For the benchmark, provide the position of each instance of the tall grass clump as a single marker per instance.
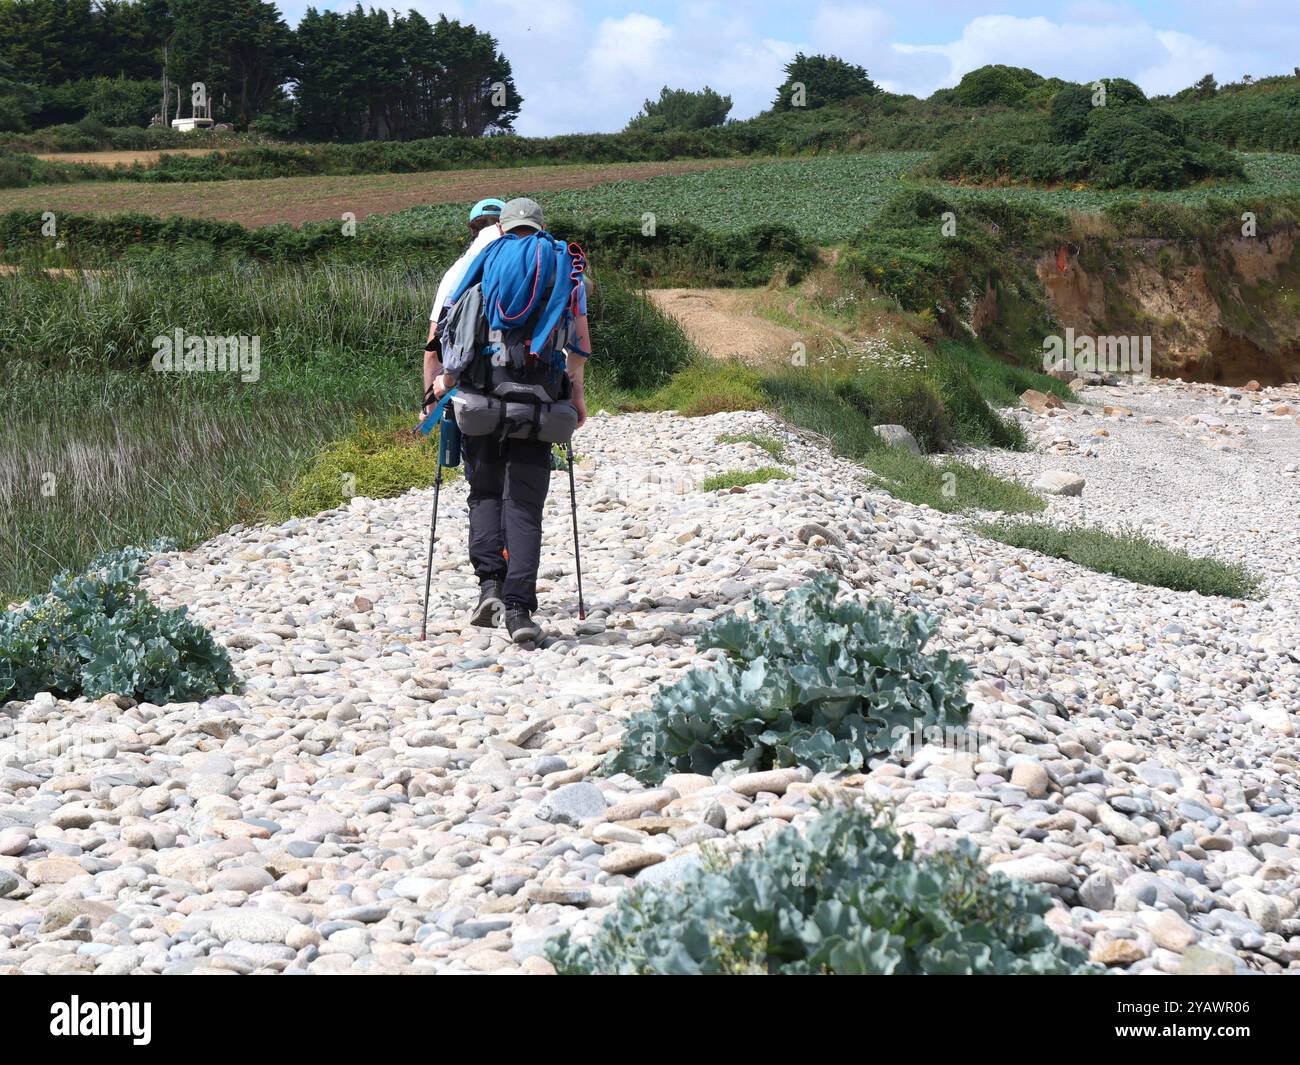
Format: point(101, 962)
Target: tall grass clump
point(710, 386)
point(332, 318)
point(999, 382)
point(376, 460)
point(815, 404)
point(1130, 555)
point(98, 449)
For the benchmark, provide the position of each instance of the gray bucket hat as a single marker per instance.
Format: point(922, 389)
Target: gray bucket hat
point(522, 212)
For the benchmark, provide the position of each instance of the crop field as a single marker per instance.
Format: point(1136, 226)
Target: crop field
point(1268, 173)
point(143, 157)
point(827, 198)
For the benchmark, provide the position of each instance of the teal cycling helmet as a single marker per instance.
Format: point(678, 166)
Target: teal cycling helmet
point(489, 206)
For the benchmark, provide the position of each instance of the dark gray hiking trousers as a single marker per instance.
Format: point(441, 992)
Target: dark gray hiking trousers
point(508, 482)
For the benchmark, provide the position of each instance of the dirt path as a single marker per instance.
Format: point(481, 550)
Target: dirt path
point(722, 322)
point(309, 199)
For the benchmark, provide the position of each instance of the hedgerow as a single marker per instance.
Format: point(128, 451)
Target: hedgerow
point(676, 252)
point(1126, 142)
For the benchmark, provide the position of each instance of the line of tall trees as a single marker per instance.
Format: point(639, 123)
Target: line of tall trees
point(358, 75)
point(364, 75)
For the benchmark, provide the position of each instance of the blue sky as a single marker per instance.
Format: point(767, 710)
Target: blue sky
point(587, 66)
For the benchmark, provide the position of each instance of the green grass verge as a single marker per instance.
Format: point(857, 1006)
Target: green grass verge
point(741, 478)
point(1130, 555)
point(770, 444)
point(948, 486)
point(940, 407)
point(710, 386)
point(375, 460)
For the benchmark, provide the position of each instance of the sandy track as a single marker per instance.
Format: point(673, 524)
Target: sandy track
point(721, 322)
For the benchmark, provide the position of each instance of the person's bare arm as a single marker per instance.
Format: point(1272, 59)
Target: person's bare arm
point(576, 367)
point(432, 363)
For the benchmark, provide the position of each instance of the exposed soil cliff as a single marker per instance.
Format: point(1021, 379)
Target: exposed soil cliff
point(1225, 312)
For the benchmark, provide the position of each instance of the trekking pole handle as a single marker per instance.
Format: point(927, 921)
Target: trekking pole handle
point(431, 419)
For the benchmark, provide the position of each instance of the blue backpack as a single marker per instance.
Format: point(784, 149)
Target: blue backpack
point(512, 320)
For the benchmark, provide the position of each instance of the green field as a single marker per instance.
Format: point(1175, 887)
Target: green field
point(1269, 174)
point(826, 198)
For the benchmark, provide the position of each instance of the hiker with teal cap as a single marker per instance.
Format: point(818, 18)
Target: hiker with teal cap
point(483, 227)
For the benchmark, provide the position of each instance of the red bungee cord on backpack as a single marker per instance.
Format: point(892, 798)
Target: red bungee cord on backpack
point(575, 275)
point(578, 257)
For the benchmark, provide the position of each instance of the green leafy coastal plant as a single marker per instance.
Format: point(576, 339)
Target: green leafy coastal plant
point(808, 681)
point(848, 898)
point(96, 633)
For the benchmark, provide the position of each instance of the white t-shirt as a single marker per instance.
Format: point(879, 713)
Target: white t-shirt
point(452, 278)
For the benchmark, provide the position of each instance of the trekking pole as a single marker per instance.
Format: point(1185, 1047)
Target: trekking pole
point(433, 532)
point(577, 558)
point(448, 454)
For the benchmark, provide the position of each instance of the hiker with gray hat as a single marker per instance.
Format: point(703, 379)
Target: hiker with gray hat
point(515, 343)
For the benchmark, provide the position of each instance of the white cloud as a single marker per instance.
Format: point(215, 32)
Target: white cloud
point(633, 47)
point(1075, 51)
point(1187, 61)
point(1111, 43)
point(631, 58)
point(844, 29)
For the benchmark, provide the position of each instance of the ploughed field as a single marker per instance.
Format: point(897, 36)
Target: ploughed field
point(295, 200)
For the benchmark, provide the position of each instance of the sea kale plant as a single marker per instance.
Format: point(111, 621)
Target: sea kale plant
point(97, 633)
point(849, 897)
point(812, 680)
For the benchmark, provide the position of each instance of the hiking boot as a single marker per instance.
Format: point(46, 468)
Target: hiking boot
point(490, 607)
point(521, 626)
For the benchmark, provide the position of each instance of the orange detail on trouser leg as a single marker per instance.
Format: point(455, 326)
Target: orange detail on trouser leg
point(505, 554)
